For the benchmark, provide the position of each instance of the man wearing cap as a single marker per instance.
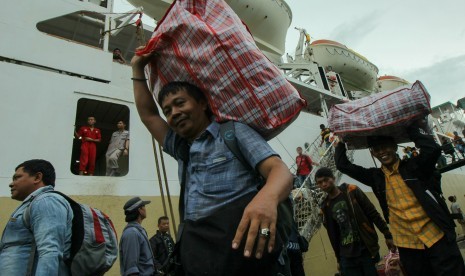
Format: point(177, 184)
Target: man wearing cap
point(409, 194)
point(135, 254)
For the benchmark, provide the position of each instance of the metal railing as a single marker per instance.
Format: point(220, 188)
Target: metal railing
point(308, 197)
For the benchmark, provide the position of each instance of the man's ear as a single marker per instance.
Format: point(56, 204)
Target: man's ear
point(38, 178)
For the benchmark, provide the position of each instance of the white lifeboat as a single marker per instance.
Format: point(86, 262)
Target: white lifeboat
point(357, 73)
point(386, 83)
point(268, 21)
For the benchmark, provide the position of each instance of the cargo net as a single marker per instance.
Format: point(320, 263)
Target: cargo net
point(308, 198)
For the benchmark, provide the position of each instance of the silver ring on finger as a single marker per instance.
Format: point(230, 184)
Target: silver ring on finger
point(265, 232)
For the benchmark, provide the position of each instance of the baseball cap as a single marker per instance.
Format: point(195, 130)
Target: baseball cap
point(134, 204)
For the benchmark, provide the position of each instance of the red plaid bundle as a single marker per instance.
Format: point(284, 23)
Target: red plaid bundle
point(386, 113)
point(205, 43)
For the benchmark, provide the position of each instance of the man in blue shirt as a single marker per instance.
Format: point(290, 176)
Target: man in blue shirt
point(50, 224)
point(215, 178)
point(135, 253)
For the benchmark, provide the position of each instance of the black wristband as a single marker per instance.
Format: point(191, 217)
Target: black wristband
point(138, 79)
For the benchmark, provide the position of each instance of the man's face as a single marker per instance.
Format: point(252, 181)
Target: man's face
point(23, 184)
point(385, 153)
point(326, 183)
point(185, 115)
point(143, 212)
point(120, 125)
point(91, 121)
point(164, 225)
point(299, 150)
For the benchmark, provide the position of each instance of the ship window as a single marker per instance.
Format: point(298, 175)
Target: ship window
point(83, 27)
point(109, 158)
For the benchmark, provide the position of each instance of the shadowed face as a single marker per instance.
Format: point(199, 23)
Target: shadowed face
point(385, 153)
point(120, 125)
point(185, 115)
point(326, 183)
point(91, 121)
point(23, 184)
point(142, 212)
point(164, 226)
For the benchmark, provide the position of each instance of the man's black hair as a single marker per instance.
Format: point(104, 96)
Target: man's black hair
point(192, 90)
point(451, 198)
point(131, 215)
point(35, 166)
point(324, 172)
point(162, 218)
point(322, 126)
point(373, 141)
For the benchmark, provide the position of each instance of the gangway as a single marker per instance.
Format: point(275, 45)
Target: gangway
point(308, 198)
point(452, 158)
point(307, 79)
point(452, 166)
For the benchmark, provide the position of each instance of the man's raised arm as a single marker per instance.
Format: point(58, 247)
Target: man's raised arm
point(148, 110)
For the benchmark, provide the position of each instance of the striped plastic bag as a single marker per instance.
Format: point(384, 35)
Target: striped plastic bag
point(205, 43)
point(385, 113)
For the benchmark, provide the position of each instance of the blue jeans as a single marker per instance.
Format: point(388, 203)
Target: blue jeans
point(301, 180)
point(364, 265)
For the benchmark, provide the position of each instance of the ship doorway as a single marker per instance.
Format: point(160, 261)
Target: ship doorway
point(107, 115)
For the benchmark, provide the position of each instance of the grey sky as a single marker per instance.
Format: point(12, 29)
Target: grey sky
point(413, 39)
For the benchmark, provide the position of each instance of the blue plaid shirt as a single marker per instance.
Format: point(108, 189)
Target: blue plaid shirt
point(215, 177)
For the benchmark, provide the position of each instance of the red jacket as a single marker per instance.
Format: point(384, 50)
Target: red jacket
point(304, 164)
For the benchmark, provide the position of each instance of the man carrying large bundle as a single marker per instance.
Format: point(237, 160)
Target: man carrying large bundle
point(216, 182)
point(409, 194)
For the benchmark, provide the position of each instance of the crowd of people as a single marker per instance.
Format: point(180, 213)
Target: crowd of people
point(46, 233)
point(234, 202)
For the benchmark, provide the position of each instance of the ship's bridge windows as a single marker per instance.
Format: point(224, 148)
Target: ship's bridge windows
point(86, 28)
point(110, 155)
point(83, 27)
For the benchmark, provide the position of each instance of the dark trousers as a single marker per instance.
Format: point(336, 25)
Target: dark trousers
point(443, 258)
point(296, 262)
point(364, 265)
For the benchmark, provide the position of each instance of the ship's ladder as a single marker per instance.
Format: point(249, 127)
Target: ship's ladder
point(308, 198)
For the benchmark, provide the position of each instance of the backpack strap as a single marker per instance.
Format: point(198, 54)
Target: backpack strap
point(228, 132)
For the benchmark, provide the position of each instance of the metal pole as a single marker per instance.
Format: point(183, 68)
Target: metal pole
point(175, 229)
point(158, 175)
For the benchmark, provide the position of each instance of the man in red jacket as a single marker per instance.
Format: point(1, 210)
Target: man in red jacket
point(304, 166)
point(89, 136)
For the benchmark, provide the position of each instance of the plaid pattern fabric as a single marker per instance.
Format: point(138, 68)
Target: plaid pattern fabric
point(410, 225)
point(384, 113)
point(205, 43)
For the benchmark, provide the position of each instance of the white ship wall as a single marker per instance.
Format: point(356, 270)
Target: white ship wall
point(37, 117)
